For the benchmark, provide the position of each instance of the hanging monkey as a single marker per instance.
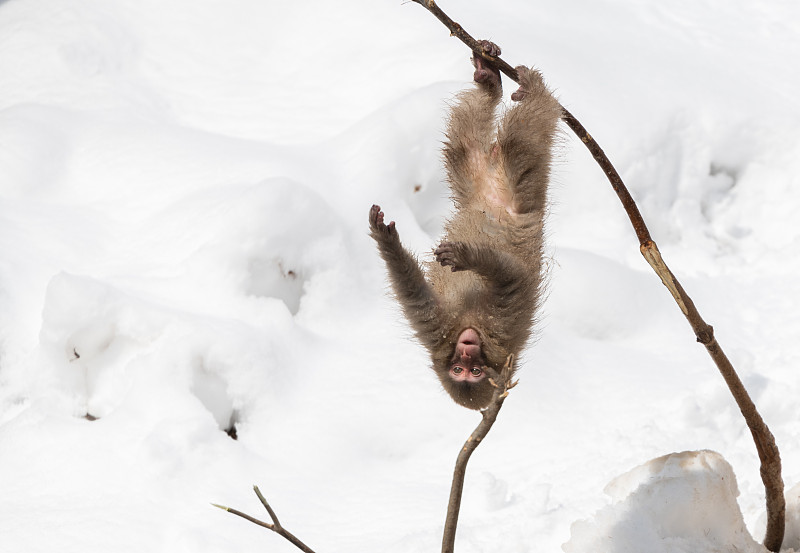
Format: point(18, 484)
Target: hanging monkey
point(475, 303)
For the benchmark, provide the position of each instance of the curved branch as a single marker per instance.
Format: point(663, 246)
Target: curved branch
point(768, 453)
point(502, 384)
point(275, 526)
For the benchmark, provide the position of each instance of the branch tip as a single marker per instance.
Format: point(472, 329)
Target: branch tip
point(276, 527)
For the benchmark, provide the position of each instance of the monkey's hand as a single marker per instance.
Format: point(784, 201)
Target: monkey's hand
point(499, 269)
point(486, 74)
point(530, 81)
point(450, 254)
point(381, 231)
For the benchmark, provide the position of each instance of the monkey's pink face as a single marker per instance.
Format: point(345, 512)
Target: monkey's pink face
point(467, 362)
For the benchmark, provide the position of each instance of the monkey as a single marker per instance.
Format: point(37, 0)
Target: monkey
point(475, 304)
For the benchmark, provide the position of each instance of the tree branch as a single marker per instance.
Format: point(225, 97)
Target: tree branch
point(765, 442)
point(275, 526)
point(502, 384)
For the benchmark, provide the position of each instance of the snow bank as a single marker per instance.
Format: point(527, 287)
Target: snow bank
point(681, 502)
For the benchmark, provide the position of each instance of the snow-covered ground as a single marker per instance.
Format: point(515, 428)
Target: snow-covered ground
point(183, 248)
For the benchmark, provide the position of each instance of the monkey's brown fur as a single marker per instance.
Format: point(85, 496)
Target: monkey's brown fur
point(487, 273)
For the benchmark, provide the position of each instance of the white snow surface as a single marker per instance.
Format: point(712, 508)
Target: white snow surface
point(183, 248)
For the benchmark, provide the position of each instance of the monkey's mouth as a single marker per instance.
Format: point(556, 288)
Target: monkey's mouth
point(469, 337)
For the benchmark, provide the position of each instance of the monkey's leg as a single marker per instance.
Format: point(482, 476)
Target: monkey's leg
point(416, 296)
point(526, 139)
point(471, 128)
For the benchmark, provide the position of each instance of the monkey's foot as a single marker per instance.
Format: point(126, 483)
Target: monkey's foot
point(530, 80)
point(378, 227)
point(485, 72)
point(448, 256)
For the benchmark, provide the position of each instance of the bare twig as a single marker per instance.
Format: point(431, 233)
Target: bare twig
point(765, 442)
point(502, 384)
point(275, 526)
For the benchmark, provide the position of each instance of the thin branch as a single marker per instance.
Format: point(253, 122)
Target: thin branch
point(263, 501)
point(765, 442)
point(502, 384)
point(275, 526)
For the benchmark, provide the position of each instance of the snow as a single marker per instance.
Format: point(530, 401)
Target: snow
point(679, 502)
point(183, 248)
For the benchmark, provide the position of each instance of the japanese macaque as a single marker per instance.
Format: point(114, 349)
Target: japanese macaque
point(477, 304)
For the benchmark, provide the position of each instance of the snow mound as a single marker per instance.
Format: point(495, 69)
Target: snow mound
point(681, 502)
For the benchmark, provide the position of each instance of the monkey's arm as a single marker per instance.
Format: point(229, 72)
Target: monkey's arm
point(420, 304)
point(505, 275)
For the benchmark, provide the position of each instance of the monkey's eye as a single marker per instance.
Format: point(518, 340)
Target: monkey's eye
point(458, 370)
point(476, 371)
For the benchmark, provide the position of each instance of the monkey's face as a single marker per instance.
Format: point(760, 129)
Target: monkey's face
point(466, 378)
point(461, 369)
point(468, 361)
